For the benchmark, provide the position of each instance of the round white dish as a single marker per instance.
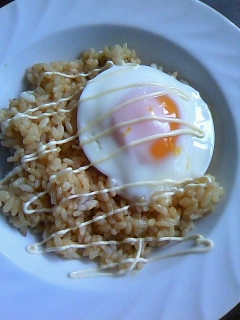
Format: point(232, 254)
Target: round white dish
point(183, 35)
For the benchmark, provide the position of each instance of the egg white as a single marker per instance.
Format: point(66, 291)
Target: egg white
point(105, 93)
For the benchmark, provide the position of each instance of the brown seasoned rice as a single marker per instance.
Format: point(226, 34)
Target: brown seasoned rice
point(166, 217)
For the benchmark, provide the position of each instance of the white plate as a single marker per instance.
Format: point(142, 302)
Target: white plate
point(204, 47)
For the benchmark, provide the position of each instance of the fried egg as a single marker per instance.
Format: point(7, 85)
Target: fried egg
point(145, 130)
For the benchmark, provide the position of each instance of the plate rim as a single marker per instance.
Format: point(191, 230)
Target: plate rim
point(186, 5)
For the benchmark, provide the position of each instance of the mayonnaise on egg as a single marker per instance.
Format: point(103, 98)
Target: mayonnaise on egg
point(145, 130)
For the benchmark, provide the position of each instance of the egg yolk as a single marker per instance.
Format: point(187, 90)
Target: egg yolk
point(162, 147)
point(154, 150)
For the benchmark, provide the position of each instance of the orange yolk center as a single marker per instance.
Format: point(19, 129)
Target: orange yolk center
point(163, 147)
point(154, 150)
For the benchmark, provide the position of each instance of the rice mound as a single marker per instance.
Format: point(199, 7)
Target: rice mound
point(84, 219)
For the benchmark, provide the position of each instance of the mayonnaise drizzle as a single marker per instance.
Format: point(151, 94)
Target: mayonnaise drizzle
point(202, 244)
point(26, 96)
point(11, 174)
point(135, 143)
point(25, 114)
point(172, 90)
point(108, 65)
point(122, 105)
point(182, 186)
point(194, 130)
